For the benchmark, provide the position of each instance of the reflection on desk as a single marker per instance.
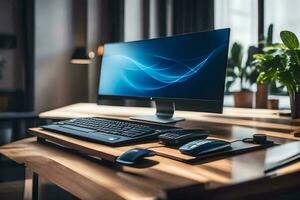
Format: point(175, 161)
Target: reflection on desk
point(235, 177)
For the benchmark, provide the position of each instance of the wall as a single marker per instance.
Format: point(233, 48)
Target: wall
point(133, 27)
point(105, 25)
point(10, 23)
point(57, 81)
point(95, 38)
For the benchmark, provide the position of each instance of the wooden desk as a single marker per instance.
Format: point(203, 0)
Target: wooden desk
point(237, 177)
point(234, 123)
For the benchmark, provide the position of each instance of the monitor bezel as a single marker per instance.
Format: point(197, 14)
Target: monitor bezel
point(208, 105)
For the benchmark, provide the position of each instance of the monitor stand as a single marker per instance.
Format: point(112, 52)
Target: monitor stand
point(164, 114)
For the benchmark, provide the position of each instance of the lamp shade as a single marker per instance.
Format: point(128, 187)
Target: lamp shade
point(8, 41)
point(80, 56)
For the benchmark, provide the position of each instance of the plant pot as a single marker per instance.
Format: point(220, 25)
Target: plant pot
point(261, 99)
point(295, 104)
point(243, 99)
point(273, 104)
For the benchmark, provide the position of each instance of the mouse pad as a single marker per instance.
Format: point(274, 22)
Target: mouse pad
point(236, 148)
point(111, 153)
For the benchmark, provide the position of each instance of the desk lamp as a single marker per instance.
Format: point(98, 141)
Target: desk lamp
point(80, 56)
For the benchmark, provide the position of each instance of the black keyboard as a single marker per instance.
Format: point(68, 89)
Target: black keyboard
point(108, 131)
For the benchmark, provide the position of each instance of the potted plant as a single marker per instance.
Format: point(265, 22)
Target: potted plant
point(243, 75)
point(262, 89)
point(281, 63)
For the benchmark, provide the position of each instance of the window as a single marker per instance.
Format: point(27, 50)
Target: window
point(241, 17)
point(284, 15)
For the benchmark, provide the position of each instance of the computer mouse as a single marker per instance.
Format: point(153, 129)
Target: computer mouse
point(200, 147)
point(178, 137)
point(134, 156)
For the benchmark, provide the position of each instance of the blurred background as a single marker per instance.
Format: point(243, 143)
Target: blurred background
point(39, 37)
point(50, 54)
point(36, 72)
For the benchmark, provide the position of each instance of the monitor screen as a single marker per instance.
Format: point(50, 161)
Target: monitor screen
point(190, 66)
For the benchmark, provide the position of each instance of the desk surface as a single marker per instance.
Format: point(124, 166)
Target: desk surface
point(234, 177)
point(234, 123)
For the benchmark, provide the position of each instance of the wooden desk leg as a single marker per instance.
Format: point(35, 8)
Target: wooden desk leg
point(31, 186)
point(40, 140)
point(35, 186)
point(27, 185)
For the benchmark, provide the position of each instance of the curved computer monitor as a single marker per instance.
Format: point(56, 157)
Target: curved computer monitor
point(182, 72)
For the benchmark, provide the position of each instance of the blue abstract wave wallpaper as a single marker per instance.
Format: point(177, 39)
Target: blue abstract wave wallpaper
point(189, 66)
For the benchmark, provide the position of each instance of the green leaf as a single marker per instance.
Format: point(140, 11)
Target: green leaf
point(286, 78)
point(274, 47)
point(289, 39)
point(269, 39)
point(262, 56)
point(230, 73)
point(253, 76)
point(297, 76)
point(261, 78)
point(228, 84)
point(236, 55)
point(294, 56)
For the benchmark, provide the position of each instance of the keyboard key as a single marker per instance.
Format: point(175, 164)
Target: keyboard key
point(111, 127)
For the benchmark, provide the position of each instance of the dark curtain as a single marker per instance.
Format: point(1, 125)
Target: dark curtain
point(187, 16)
point(105, 25)
point(112, 20)
point(192, 15)
point(79, 12)
point(162, 21)
point(28, 48)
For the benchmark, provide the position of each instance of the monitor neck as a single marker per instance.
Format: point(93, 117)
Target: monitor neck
point(164, 109)
point(164, 113)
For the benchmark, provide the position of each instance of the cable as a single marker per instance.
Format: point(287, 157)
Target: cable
point(236, 141)
point(155, 147)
